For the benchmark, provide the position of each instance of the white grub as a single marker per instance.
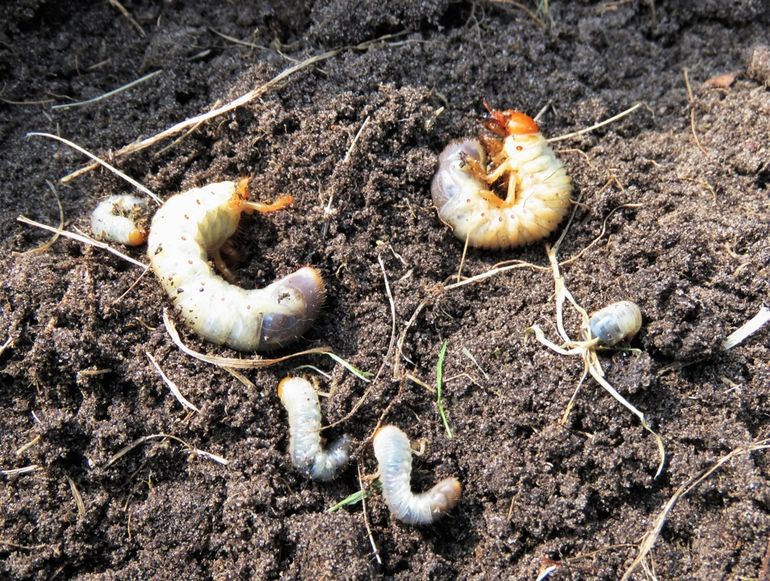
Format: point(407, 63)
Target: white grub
point(537, 186)
point(189, 229)
point(615, 322)
point(394, 455)
point(121, 219)
point(301, 402)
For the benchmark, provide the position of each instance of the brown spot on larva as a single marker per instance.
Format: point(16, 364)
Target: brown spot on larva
point(198, 201)
point(519, 148)
point(179, 291)
point(499, 218)
point(158, 250)
point(189, 261)
point(186, 217)
point(184, 238)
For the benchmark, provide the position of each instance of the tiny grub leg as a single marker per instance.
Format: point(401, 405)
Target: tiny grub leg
point(475, 168)
point(279, 204)
point(220, 265)
point(500, 171)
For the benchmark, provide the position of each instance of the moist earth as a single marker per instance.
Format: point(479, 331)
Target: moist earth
point(672, 211)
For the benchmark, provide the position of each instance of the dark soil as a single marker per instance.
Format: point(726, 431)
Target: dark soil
point(693, 252)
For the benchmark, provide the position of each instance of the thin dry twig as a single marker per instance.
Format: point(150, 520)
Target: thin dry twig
point(596, 240)
point(82, 238)
point(78, 498)
point(19, 471)
point(130, 287)
point(184, 135)
point(231, 362)
point(691, 102)
point(470, 356)
point(24, 447)
point(595, 126)
point(27, 103)
point(128, 16)
point(103, 96)
point(126, 449)
point(171, 385)
point(22, 547)
point(328, 208)
point(237, 40)
point(5, 345)
point(524, 8)
point(494, 271)
point(462, 258)
point(397, 371)
point(99, 161)
point(240, 377)
point(46, 245)
point(366, 518)
point(238, 102)
point(649, 539)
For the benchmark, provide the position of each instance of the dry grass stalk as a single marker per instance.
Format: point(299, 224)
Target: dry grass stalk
point(649, 539)
point(126, 449)
point(172, 386)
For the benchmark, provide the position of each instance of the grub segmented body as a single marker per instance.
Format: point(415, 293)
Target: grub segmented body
point(185, 233)
point(305, 447)
point(615, 322)
point(534, 184)
point(394, 455)
point(121, 219)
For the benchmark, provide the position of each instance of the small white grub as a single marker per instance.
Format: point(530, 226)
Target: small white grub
point(615, 322)
point(394, 455)
point(301, 402)
point(119, 219)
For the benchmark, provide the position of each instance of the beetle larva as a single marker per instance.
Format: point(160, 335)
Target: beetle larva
point(615, 322)
point(537, 187)
point(301, 402)
point(191, 227)
point(394, 455)
point(120, 219)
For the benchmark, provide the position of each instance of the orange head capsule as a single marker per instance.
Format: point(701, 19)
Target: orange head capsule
point(518, 123)
point(509, 122)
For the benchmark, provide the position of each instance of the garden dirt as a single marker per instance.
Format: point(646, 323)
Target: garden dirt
point(676, 195)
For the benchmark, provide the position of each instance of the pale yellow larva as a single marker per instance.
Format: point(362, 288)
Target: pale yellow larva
point(189, 229)
point(394, 455)
point(537, 189)
point(301, 402)
point(615, 322)
point(121, 219)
